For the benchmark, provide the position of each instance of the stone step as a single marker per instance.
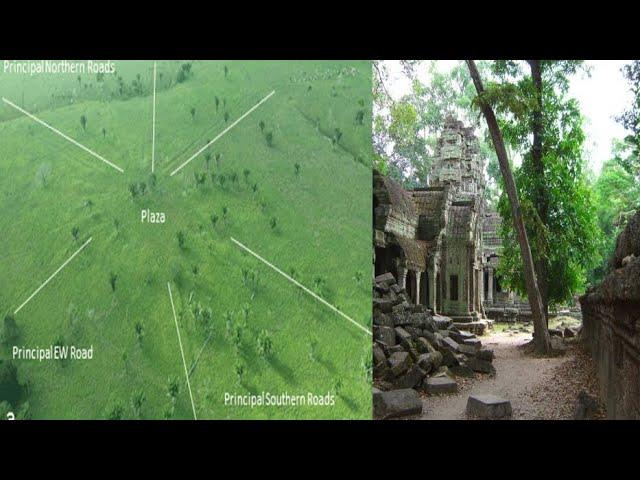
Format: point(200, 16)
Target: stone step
point(488, 407)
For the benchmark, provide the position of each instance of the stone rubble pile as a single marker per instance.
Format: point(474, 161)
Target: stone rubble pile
point(414, 349)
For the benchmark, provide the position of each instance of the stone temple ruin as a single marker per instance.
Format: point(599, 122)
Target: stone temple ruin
point(611, 319)
point(440, 242)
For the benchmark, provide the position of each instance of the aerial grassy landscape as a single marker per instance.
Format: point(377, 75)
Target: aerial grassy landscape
point(291, 181)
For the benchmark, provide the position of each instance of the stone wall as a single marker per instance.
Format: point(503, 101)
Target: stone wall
point(611, 317)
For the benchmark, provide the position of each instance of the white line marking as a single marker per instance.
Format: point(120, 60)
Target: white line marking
point(222, 133)
point(54, 274)
point(66, 137)
point(153, 127)
point(186, 373)
point(320, 299)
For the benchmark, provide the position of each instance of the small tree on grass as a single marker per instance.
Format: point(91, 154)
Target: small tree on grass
point(226, 117)
point(139, 332)
point(273, 222)
point(222, 178)
point(358, 277)
point(207, 159)
point(193, 113)
point(313, 350)
point(337, 136)
point(182, 239)
point(104, 132)
point(239, 369)
point(360, 117)
point(265, 344)
point(225, 213)
point(116, 412)
point(142, 188)
point(133, 190)
point(246, 172)
point(297, 169)
point(83, 122)
point(218, 157)
point(254, 188)
point(153, 180)
point(113, 278)
point(137, 402)
point(228, 324)
point(226, 71)
point(234, 177)
point(217, 103)
point(318, 283)
point(10, 330)
point(173, 389)
point(214, 220)
point(269, 139)
point(261, 125)
point(75, 231)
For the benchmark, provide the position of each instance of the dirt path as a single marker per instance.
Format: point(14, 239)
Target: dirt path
point(538, 388)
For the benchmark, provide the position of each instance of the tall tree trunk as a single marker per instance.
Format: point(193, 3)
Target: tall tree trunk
point(541, 334)
point(542, 200)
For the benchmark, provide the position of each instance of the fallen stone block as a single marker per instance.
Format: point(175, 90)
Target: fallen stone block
point(430, 361)
point(385, 335)
point(462, 371)
point(473, 342)
point(410, 379)
point(482, 366)
point(396, 403)
point(440, 385)
point(399, 363)
point(450, 343)
point(385, 278)
point(442, 323)
point(467, 349)
point(378, 354)
point(382, 319)
point(485, 354)
point(488, 407)
point(383, 304)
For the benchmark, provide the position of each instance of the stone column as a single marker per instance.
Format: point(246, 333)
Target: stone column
point(490, 288)
point(402, 277)
point(418, 275)
point(431, 278)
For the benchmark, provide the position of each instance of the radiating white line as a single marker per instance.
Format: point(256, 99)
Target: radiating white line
point(153, 124)
point(53, 275)
point(184, 362)
point(66, 137)
point(320, 299)
point(222, 133)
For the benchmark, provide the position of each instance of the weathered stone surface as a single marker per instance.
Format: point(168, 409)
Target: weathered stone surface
point(451, 344)
point(383, 304)
point(386, 279)
point(396, 403)
point(482, 366)
point(382, 319)
point(485, 354)
point(410, 379)
point(430, 362)
point(460, 336)
point(378, 354)
point(440, 385)
point(488, 407)
point(448, 358)
point(385, 335)
point(399, 363)
point(473, 342)
point(442, 323)
point(462, 371)
point(555, 332)
point(467, 349)
point(401, 333)
point(423, 345)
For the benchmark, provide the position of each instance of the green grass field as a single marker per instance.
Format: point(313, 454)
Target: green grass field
point(315, 224)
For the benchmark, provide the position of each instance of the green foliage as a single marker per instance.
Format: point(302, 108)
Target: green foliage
point(137, 402)
point(182, 239)
point(113, 278)
point(10, 389)
point(139, 331)
point(10, 330)
point(265, 344)
point(564, 238)
point(116, 412)
point(83, 122)
point(630, 119)
point(269, 138)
